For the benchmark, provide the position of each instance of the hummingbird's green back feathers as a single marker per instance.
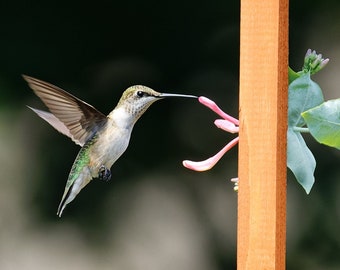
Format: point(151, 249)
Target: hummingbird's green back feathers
point(79, 169)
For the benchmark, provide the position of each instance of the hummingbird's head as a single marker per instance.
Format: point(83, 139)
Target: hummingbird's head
point(138, 98)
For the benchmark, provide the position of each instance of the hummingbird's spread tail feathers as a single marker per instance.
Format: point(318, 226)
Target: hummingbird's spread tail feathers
point(74, 185)
point(64, 201)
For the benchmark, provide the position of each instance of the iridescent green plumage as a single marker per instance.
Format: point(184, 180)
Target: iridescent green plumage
point(80, 164)
point(82, 160)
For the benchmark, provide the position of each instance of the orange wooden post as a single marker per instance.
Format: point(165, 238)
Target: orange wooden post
point(262, 148)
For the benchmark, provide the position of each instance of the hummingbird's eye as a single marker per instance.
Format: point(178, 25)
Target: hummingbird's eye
point(140, 93)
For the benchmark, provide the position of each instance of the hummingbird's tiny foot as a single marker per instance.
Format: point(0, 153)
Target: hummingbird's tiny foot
point(104, 173)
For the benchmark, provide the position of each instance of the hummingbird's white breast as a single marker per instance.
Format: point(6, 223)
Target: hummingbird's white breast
point(113, 140)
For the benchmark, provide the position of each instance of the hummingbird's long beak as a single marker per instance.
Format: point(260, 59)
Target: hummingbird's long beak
point(165, 95)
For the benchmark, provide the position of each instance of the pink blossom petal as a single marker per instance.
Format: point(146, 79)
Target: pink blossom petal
point(212, 105)
point(210, 162)
point(226, 125)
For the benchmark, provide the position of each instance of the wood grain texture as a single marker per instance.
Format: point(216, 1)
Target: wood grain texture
point(263, 124)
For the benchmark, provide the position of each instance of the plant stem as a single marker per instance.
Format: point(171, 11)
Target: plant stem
point(301, 129)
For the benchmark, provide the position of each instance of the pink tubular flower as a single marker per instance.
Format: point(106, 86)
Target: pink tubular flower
point(228, 123)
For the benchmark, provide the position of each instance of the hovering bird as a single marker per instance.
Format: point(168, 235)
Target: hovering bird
point(103, 139)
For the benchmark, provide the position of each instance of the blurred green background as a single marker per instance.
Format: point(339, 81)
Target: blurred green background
point(154, 214)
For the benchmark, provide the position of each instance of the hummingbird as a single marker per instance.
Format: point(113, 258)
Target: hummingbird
point(103, 138)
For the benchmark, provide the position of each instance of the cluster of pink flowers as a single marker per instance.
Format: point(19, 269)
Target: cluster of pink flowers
point(229, 124)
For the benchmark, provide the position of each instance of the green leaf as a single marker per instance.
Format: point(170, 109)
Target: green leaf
point(303, 94)
point(323, 122)
point(292, 75)
point(300, 160)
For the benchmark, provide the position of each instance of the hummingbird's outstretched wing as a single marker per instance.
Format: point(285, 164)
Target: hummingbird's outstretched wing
point(54, 122)
point(69, 115)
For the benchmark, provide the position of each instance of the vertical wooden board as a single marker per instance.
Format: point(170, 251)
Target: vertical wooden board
point(263, 122)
